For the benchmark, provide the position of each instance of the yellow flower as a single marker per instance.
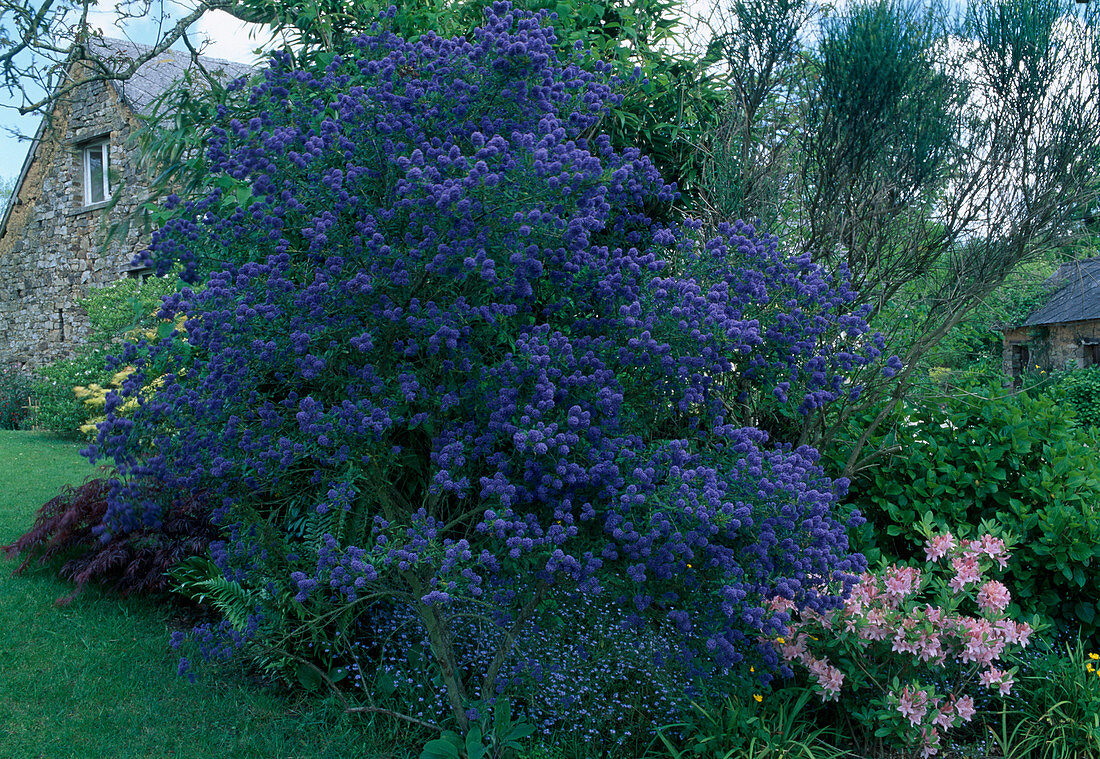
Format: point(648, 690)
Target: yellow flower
point(752, 669)
point(121, 376)
point(1094, 657)
point(758, 697)
point(1089, 667)
point(780, 640)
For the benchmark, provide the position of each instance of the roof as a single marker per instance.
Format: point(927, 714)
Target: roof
point(1076, 296)
point(157, 77)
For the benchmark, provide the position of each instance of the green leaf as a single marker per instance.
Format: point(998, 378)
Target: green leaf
point(474, 747)
point(439, 749)
point(309, 676)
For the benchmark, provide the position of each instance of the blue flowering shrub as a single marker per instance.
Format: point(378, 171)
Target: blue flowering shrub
point(445, 375)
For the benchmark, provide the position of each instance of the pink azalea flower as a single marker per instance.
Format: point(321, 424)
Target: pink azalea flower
point(938, 546)
point(964, 707)
point(930, 648)
point(966, 571)
point(980, 644)
point(779, 603)
point(993, 597)
point(913, 705)
point(901, 582)
point(930, 742)
point(945, 717)
point(994, 548)
point(830, 679)
point(999, 678)
point(1023, 634)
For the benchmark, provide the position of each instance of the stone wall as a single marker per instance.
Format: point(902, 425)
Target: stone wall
point(1054, 346)
point(52, 251)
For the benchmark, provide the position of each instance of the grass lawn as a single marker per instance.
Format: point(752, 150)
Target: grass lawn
point(96, 679)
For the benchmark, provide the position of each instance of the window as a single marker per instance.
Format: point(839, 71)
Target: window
point(1021, 357)
point(96, 168)
point(1090, 354)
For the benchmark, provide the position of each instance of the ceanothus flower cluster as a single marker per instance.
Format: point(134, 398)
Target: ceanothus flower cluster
point(439, 343)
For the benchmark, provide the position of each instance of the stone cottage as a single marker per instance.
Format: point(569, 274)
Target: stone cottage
point(1065, 331)
point(79, 178)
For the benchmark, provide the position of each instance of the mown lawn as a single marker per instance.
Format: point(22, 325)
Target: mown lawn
point(96, 679)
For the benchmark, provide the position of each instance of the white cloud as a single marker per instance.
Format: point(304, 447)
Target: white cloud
point(230, 38)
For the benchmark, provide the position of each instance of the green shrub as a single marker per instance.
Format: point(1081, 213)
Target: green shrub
point(1082, 392)
point(14, 398)
point(121, 311)
point(1020, 462)
point(59, 409)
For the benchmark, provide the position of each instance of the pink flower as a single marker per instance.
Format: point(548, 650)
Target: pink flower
point(866, 592)
point(982, 643)
point(902, 645)
point(945, 717)
point(966, 571)
point(901, 582)
point(999, 678)
point(964, 707)
point(993, 597)
point(876, 628)
point(938, 546)
point(779, 603)
point(994, 548)
point(930, 742)
point(930, 648)
point(830, 679)
point(793, 650)
point(913, 705)
point(1023, 634)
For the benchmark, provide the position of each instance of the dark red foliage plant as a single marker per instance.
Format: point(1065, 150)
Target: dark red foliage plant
point(135, 562)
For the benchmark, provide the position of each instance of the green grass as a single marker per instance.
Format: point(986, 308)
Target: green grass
point(97, 680)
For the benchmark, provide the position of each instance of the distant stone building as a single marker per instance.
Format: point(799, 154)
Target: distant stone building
point(1065, 332)
point(78, 179)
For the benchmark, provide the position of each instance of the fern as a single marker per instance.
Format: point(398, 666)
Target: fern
point(200, 580)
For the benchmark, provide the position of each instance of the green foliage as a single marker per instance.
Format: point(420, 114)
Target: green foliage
point(978, 338)
point(1059, 707)
point(1082, 393)
point(15, 392)
point(762, 726)
point(1019, 462)
point(59, 410)
point(871, 140)
point(199, 580)
point(125, 305)
point(495, 736)
point(122, 310)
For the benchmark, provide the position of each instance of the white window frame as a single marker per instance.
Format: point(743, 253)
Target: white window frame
point(103, 148)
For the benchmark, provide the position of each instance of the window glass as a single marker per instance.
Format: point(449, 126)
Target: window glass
point(95, 174)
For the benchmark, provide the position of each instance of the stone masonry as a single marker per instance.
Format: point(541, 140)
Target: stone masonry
point(52, 249)
point(52, 243)
point(1071, 345)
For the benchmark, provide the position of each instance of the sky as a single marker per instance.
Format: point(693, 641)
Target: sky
point(227, 38)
